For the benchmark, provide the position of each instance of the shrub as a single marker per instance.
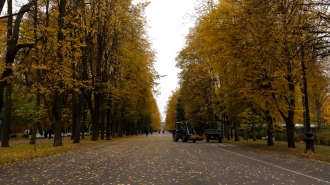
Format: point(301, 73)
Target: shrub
point(258, 136)
point(281, 136)
point(298, 138)
point(25, 135)
point(324, 138)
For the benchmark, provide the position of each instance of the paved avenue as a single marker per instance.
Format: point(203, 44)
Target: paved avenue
point(156, 159)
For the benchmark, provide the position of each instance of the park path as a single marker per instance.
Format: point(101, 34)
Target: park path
point(156, 159)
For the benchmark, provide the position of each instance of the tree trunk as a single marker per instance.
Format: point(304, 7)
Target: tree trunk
point(228, 130)
point(290, 130)
point(318, 113)
point(38, 75)
point(84, 115)
point(85, 57)
point(95, 130)
point(270, 141)
point(126, 128)
point(33, 134)
point(58, 96)
point(108, 135)
point(303, 106)
point(74, 109)
point(245, 134)
point(57, 112)
point(254, 130)
point(95, 118)
point(114, 121)
point(269, 120)
point(75, 119)
point(113, 128)
point(236, 130)
point(73, 129)
point(78, 119)
point(290, 118)
point(36, 125)
point(102, 123)
point(98, 77)
point(6, 122)
point(120, 123)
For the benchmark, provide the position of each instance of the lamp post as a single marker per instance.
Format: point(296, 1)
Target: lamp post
point(309, 133)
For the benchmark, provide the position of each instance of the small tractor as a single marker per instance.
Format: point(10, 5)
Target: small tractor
point(185, 132)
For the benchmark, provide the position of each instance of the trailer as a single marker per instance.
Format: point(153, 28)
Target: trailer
point(213, 134)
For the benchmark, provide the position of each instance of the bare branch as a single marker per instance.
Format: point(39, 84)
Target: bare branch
point(20, 46)
point(4, 17)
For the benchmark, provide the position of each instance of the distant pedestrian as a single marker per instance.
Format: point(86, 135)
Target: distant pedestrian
point(151, 132)
point(163, 131)
point(147, 133)
point(158, 131)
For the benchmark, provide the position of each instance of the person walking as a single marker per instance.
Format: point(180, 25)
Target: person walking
point(147, 133)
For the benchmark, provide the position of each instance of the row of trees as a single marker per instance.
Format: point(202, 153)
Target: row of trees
point(252, 56)
point(77, 59)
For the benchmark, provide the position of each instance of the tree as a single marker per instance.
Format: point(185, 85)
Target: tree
point(88, 59)
point(12, 48)
point(179, 111)
point(170, 119)
point(31, 115)
point(255, 54)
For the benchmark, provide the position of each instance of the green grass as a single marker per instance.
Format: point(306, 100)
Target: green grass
point(19, 148)
point(321, 152)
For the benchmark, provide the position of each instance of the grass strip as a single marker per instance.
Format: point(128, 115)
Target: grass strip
point(321, 152)
point(20, 149)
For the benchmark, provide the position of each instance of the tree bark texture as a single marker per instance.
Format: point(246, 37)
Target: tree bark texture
point(269, 121)
point(6, 122)
point(290, 118)
point(254, 130)
point(236, 129)
point(120, 123)
point(58, 95)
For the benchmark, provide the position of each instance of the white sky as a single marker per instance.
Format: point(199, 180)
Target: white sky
point(169, 21)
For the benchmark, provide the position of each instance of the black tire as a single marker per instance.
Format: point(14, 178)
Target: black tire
point(184, 138)
point(194, 141)
point(175, 137)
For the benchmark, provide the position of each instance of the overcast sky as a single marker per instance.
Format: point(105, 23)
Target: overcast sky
point(169, 21)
